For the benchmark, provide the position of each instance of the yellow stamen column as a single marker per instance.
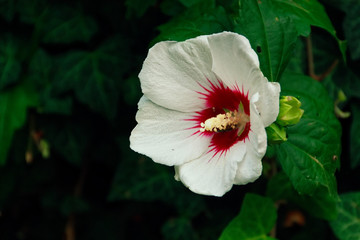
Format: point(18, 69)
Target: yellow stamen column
point(225, 122)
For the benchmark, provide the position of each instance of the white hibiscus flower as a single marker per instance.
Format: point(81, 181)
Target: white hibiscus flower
point(205, 108)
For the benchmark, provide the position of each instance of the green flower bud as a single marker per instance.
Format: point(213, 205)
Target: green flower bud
point(341, 96)
point(338, 112)
point(44, 148)
point(290, 111)
point(276, 133)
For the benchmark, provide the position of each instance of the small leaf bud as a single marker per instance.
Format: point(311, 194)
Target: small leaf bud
point(290, 111)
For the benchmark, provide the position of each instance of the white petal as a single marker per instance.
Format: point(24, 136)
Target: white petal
point(211, 176)
point(165, 136)
point(173, 73)
point(250, 168)
point(237, 64)
point(268, 105)
point(234, 61)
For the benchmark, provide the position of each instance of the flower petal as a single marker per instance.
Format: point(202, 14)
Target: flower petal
point(249, 169)
point(237, 64)
point(165, 136)
point(210, 175)
point(234, 61)
point(174, 72)
point(268, 105)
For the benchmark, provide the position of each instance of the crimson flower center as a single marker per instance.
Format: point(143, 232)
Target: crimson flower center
point(226, 120)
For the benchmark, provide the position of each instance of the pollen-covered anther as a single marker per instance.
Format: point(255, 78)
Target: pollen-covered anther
point(225, 122)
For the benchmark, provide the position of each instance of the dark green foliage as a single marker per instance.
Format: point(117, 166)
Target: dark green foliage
point(68, 93)
point(271, 35)
point(10, 65)
point(351, 26)
point(311, 154)
point(255, 220)
point(202, 18)
point(66, 25)
point(348, 80)
point(137, 8)
point(7, 9)
point(177, 229)
point(306, 13)
point(70, 139)
point(172, 7)
point(347, 224)
point(149, 182)
point(13, 108)
point(354, 136)
point(297, 63)
point(90, 75)
point(320, 204)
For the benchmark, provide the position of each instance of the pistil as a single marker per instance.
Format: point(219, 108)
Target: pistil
point(230, 120)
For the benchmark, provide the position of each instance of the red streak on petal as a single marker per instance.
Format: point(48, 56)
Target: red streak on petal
point(217, 98)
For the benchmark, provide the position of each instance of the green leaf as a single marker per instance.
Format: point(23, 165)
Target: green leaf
point(40, 68)
point(320, 205)
point(200, 19)
point(52, 104)
point(323, 54)
point(189, 3)
point(306, 13)
point(40, 73)
point(131, 90)
point(351, 27)
point(256, 219)
point(69, 138)
point(298, 61)
point(273, 37)
point(138, 8)
point(347, 80)
point(311, 154)
point(354, 135)
point(149, 182)
point(57, 23)
point(92, 76)
point(7, 9)
point(14, 103)
point(63, 24)
point(324, 58)
point(10, 67)
point(347, 224)
point(178, 229)
point(171, 7)
point(30, 11)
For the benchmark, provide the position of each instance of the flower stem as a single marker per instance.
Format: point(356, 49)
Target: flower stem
point(69, 232)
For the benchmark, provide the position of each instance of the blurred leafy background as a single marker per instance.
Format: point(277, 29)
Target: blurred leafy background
point(68, 97)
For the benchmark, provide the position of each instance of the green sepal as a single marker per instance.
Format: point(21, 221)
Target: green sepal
point(276, 133)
